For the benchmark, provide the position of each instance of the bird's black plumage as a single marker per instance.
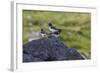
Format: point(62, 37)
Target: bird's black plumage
point(52, 27)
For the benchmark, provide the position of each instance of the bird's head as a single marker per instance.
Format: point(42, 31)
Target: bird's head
point(42, 30)
point(49, 24)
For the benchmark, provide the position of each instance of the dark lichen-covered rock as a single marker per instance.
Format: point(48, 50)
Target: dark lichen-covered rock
point(48, 49)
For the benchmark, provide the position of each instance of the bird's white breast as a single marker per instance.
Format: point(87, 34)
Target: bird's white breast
point(52, 30)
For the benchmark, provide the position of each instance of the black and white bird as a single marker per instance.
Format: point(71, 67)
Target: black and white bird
point(55, 31)
point(43, 33)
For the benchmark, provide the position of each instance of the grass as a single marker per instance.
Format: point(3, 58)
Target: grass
point(75, 28)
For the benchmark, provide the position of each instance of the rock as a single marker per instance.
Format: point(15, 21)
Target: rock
point(49, 49)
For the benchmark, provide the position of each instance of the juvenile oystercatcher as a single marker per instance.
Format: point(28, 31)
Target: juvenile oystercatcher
point(43, 33)
point(55, 31)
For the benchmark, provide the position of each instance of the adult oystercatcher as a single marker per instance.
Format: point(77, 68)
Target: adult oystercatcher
point(55, 31)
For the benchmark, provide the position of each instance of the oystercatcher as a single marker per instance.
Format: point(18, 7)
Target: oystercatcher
point(43, 33)
point(55, 31)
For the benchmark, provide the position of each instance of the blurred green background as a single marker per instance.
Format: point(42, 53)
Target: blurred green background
point(75, 26)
